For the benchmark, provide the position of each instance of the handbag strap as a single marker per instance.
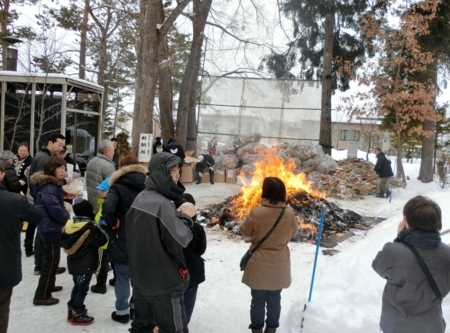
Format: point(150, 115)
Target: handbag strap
point(426, 271)
point(270, 231)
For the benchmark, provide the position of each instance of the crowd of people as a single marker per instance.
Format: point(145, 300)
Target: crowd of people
point(141, 223)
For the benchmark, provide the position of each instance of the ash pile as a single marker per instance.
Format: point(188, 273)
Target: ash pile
point(348, 179)
point(337, 221)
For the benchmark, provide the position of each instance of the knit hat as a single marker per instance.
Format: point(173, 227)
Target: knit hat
point(104, 186)
point(173, 144)
point(83, 207)
point(6, 155)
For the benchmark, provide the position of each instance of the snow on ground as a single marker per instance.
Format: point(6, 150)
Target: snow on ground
point(346, 296)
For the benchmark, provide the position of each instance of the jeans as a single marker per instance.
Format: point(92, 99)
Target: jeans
point(122, 289)
point(50, 262)
point(79, 290)
point(190, 295)
point(167, 311)
point(5, 301)
point(261, 299)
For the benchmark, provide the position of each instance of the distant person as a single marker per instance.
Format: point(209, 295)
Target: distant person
point(49, 197)
point(204, 161)
point(22, 162)
point(195, 263)
point(81, 240)
point(157, 232)
point(175, 148)
point(98, 169)
point(269, 269)
point(384, 172)
point(158, 146)
point(441, 170)
point(115, 157)
point(125, 184)
point(65, 155)
point(408, 156)
point(11, 180)
point(409, 302)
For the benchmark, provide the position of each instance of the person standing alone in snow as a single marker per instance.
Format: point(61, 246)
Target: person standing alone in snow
point(156, 235)
point(384, 171)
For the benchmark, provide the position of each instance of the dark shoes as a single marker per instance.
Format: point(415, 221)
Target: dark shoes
point(60, 270)
point(28, 245)
point(80, 317)
point(388, 194)
point(37, 270)
point(49, 301)
point(56, 288)
point(99, 288)
point(112, 282)
point(123, 319)
point(270, 330)
point(380, 195)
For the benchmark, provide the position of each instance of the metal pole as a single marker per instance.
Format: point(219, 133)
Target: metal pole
point(319, 238)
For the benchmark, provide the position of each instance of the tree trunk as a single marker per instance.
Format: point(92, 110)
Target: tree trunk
point(186, 130)
point(4, 26)
point(146, 73)
point(325, 116)
point(426, 164)
point(83, 38)
point(165, 85)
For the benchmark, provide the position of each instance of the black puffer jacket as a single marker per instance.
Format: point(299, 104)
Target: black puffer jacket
point(126, 183)
point(383, 166)
point(157, 233)
point(81, 240)
point(193, 255)
point(11, 181)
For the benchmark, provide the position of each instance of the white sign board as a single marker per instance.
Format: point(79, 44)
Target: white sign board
point(145, 147)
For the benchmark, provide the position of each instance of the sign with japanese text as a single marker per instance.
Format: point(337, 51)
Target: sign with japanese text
point(145, 147)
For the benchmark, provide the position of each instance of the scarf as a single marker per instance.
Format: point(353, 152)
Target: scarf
point(419, 238)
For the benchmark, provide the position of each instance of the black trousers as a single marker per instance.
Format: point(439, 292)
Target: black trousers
point(50, 263)
point(5, 301)
point(167, 311)
point(103, 273)
point(38, 251)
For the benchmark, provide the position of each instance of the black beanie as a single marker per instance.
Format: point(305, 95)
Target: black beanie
point(83, 208)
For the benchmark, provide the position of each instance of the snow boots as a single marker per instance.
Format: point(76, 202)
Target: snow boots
point(211, 176)
point(80, 317)
point(69, 313)
point(199, 180)
point(28, 245)
point(124, 319)
point(270, 330)
point(259, 330)
point(99, 288)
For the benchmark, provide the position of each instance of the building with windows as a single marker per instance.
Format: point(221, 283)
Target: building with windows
point(366, 133)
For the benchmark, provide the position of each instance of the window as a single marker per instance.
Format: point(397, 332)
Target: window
point(347, 135)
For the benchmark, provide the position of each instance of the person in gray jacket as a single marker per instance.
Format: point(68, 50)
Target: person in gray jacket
point(409, 302)
point(98, 169)
point(156, 235)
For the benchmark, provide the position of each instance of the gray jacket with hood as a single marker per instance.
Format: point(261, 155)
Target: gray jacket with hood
point(409, 303)
point(156, 233)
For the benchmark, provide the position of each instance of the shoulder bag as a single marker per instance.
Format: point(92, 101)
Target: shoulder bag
point(249, 253)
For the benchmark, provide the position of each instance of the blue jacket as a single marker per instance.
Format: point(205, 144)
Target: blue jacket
point(48, 195)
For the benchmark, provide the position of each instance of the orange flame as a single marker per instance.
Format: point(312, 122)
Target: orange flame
point(271, 166)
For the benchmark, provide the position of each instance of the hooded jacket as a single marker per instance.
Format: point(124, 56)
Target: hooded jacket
point(48, 195)
point(81, 240)
point(383, 166)
point(269, 268)
point(409, 304)
point(157, 233)
point(11, 181)
point(14, 209)
point(125, 184)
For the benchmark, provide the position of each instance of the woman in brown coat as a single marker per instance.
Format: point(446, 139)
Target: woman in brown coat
point(269, 269)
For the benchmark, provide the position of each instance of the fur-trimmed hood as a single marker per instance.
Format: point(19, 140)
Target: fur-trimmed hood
point(125, 170)
point(42, 179)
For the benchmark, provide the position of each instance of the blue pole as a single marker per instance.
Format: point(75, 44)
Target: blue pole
point(319, 237)
point(392, 183)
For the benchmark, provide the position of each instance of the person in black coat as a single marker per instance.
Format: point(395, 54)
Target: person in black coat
point(81, 240)
point(194, 261)
point(10, 181)
point(21, 163)
point(204, 161)
point(125, 184)
point(158, 146)
point(384, 171)
point(175, 148)
point(14, 210)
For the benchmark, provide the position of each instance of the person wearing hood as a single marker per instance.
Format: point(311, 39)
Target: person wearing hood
point(157, 232)
point(49, 197)
point(416, 267)
point(81, 240)
point(158, 146)
point(175, 148)
point(384, 171)
point(204, 161)
point(11, 180)
point(125, 184)
point(14, 208)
